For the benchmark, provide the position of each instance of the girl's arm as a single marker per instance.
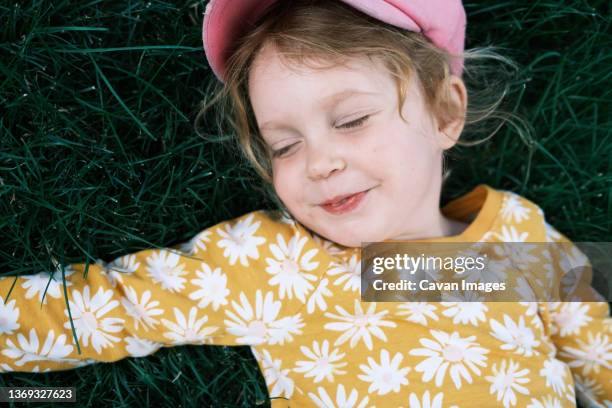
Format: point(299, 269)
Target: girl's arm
point(581, 326)
point(130, 307)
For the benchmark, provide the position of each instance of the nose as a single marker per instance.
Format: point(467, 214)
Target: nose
point(323, 160)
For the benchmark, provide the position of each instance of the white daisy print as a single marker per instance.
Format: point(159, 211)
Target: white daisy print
point(517, 337)
point(468, 271)
point(425, 402)
point(127, 264)
point(424, 272)
point(347, 273)
point(165, 268)
point(260, 325)
point(37, 369)
point(555, 372)
point(322, 364)
point(513, 208)
point(466, 296)
point(142, 310)
point(239, 241)
point(38, 283)
point(489, 236)
point(531, 310)
point(197, 243)
point(277, 378)
point(546, 402)
point(120, 267)
point(212, 287)
point(494, 271)
point(79, 363)
point(588, 386)
point(465, 312)
point(317, 299)
point(9, 316)
point(548, 277)
point(417, 312)
point(571, 393)
point(458, 355)
point(591, 355)
point(327, 246)
point(507, 381)
point(140, 347)
point(570, 257)
point(552, 235)
point(29, 349)
point(524, 290)
point(290, 268)
point(569, 317)
point(360, 325)
point(571, 283)
point(323, 400)
point(511, 234)
point(282, 216)
point(385, 376)
point(189, 330)
point(88, 318)
point(519, 256)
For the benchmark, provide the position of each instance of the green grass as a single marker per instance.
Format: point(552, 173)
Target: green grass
point(98, 156)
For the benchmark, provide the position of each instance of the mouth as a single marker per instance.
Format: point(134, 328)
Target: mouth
point(344, 204)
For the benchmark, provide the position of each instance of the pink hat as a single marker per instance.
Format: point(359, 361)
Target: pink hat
point(442, 21)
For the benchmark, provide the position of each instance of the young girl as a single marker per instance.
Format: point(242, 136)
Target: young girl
point(346, 108)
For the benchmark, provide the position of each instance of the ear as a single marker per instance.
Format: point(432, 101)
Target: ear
point(450, 130)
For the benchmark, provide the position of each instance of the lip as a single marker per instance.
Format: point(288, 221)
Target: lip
point(352, 202)
point(338, 198)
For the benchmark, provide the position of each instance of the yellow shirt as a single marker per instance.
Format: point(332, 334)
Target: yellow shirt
point(268, 282)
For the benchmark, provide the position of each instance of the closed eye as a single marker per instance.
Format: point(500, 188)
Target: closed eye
point(280, 152)
point(354, 123)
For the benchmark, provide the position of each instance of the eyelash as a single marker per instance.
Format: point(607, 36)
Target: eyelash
point(355, 123)
point(349, 125)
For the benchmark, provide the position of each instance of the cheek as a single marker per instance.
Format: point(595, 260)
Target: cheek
point(408, 159)
point(285, 185)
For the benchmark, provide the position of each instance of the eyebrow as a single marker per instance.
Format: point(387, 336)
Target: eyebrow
point(326, 103)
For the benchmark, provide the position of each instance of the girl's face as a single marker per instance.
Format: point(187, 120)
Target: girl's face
point(337, 131)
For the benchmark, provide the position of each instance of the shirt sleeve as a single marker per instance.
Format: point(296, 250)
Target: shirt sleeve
point(580, 324)
point(102, 312)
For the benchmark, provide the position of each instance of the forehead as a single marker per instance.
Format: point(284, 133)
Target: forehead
point(274, 79)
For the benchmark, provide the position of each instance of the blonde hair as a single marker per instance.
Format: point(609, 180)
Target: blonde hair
point(324, 33)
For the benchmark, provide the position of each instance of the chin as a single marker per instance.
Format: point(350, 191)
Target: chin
point(350, 241)
point(348, 237)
